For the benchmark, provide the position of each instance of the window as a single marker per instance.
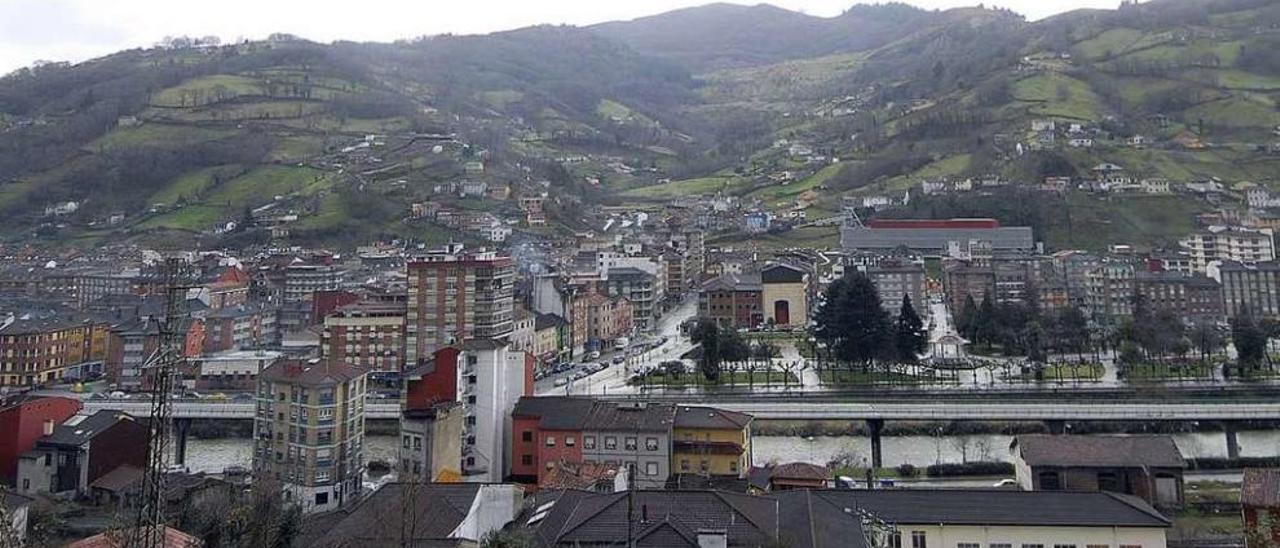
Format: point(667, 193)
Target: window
point(651, 468)
point(1064, 546)
point(322, 499)
point(526, 460)
point(1098, 546)
point(895, 540)
point(631, 443)
point(651, 444)
point(967, 545)
point(26, 485)
point(733, 466)
point(1050, 481)
point(1130, 546)
point(417, 443)
point(999, 545)
point(684, 465)
point(919, 540)
point(527, 435)
point(588, 442)
point(1032, 546)
point(406, 441)
point(551, 441)
point(610, 442)
point(569, 441)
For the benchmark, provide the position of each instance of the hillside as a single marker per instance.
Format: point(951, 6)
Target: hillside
point(284, 138)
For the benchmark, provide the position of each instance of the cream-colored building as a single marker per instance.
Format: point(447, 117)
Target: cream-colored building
point(962, 518)
point(308, 431)
point(785, 295)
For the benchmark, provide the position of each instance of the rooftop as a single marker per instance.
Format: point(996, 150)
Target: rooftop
point(315, 371)
point(1098, 451)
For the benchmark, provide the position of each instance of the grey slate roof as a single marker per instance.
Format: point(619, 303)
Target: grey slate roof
point(1099, 451)
point(672, 519)
point(999, 507)
point(85, 429)
point(630, 416)
point(690, 416)
point(555, 412)
point(433, 509)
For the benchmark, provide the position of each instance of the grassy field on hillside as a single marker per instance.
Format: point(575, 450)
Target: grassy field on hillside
point(184, 94)
point(1089, 223)
point(153, 133)
point(687, 187)
point(1059, 96)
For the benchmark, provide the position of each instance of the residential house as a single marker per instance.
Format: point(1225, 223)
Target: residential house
point(1147, 467)
point(787, 476)
point(545, 431)
point(710, 441)
point(633, 435)
point(1260, 507)
point(23, 421)
point(76, 453)
point(1195, 298)
point(435, 515)
point(431, 420)
point(1228, 243)
point(969, 518)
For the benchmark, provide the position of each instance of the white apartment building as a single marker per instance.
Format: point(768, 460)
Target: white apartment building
point(1229, 243)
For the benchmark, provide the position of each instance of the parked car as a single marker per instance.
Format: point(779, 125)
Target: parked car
point(595, 355)
point(562, 381)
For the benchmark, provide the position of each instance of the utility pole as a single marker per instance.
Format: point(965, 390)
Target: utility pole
point(149, 530)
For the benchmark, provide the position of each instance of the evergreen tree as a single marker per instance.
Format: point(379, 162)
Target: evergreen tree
point(964, 317)
point(909, 337)
point(1250, 340)
point(985, 323)
point(707, 334)
point(865, 322)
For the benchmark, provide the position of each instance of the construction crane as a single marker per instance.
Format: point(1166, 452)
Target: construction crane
point(164, 368)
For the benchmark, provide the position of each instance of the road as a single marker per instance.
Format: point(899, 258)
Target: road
point(613, 379)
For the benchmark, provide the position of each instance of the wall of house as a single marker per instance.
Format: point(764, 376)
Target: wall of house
point(567, 446)
point(794, 294)
point(944, 536)
point(646, 461)
point(124, 442)
point(23, 424)
point(683, 462)
point(1261, 527)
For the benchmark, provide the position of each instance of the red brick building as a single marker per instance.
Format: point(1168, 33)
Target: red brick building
point(546, 431)
point(366, 333)
point(25, 420)
point(733, 300)
point(454, 297)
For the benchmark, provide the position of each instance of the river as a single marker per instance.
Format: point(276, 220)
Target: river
point(213, 455)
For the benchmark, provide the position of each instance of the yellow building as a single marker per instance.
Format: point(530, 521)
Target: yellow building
point(785, 295)
point(710, 441)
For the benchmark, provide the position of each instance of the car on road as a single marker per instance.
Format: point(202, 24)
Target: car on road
point(594, 355)
point(1007, 482)
point(619, 359)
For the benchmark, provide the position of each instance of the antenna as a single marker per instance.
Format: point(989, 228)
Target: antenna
point(149, 532)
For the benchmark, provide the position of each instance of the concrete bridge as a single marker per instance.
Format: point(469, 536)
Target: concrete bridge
point(1055, 414)
point(205, 409)
point(791, 410)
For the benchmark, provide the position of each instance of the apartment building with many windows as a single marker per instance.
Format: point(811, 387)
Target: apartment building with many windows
point(309, 431)
point(455, 297)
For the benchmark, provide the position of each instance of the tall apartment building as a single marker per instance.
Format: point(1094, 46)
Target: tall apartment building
point(1109, 290)
point(895, 278)
point(309, 431)
point(1228, 243)
point(1254, 287)
point(368, 333)
point(491, 379)
point(645, 290)
point(455, 297)
point(301, 280)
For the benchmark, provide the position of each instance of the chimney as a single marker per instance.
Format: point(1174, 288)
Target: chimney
point(48, 427)
point(713, 538)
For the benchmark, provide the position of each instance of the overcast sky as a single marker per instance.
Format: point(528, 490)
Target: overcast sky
point(75, 30)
